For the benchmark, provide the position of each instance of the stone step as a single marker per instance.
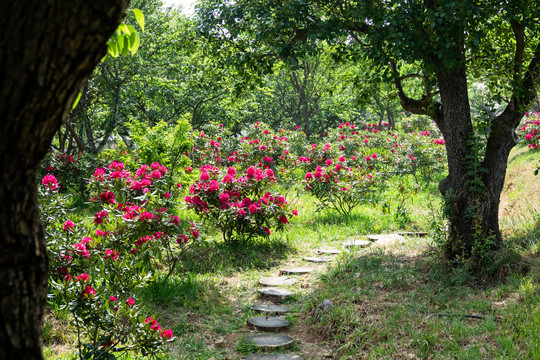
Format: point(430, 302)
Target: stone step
point(268, 341)
point(296, 270)
point(384, 237)
point(277, 281)
point(270, 309)
point(357, 243)
point(275, 293)
point(274, 357)
point(413, 233)
point(318, 259)
point(268, 323)
point(328, 251)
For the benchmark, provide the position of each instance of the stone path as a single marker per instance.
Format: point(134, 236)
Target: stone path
point(270, 323)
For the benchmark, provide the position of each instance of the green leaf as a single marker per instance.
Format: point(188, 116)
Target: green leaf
point(139, 16)
point(113, 48)
point(125, 46)
point(124, 28)
point(135, 42)
point(76, 100)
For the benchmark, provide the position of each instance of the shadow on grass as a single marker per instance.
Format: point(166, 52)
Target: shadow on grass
point(218, 257)
point(524, 152)
point(329, 218)
point(424, 274)
point(187, 291)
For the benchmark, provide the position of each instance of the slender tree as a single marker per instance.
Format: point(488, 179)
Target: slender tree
point(47, 51)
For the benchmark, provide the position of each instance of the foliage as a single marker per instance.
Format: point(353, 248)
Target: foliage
point(168, 145)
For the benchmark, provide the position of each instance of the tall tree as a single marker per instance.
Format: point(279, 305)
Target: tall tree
point(448, 42)
point(47, 51)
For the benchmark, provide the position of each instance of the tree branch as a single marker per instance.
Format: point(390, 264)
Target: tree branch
point(425, 106)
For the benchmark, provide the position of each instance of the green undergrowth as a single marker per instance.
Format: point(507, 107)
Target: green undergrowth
point(394, 301)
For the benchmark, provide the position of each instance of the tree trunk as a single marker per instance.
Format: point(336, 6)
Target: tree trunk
point(472, 196)
point(47, 51)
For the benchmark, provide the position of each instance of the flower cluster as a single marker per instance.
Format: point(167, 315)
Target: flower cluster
point(530, 131)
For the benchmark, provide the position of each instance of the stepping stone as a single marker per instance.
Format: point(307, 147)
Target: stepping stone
point(270, 308)
point(296, 270)
point(317, 259)
point(357, 243)
point(377, 237)
point(413, 233)
point(268, 323)
point(277, 281)
point(385, 237)
point(329, 251)
point(275, 293)
point(269, 341)
point(274, 357)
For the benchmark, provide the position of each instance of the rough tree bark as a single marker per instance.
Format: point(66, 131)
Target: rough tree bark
point(47, 51)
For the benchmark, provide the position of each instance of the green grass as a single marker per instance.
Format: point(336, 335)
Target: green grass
point(386, 300)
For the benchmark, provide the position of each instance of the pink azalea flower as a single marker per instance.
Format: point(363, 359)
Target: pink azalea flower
point(82, 277)
point(88, 293)
point(68, 226)
point(167, 334)
point(50, 182)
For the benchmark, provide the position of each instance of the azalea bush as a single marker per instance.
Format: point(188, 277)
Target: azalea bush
point(241, 205)
point(212, 145)
point(419, 155)
point(70, 170)
point(341, 187)
point(258, 146)
point(163, 143)
point(97, 262)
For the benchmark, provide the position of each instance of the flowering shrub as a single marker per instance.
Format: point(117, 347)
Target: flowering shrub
point(530, 131)
point(96, 263)
point(259, 146)
point(212, 145)
point(69, 170)
point(418, 155)
point(370, 152)
point(239, 205)
point(341, 187)
point(161, 143)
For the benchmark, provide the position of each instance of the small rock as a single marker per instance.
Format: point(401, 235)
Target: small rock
point(324, 308)
point(220, 343)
